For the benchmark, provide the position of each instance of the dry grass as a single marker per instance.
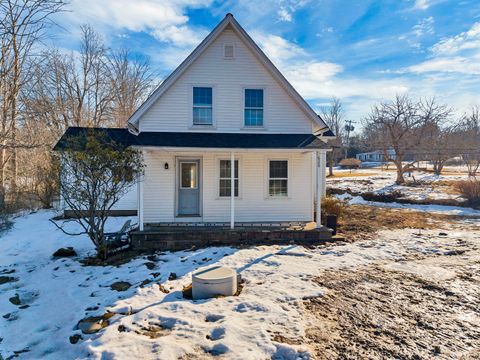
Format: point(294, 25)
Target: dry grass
point(352, 174)
point(360, 222)
point(470, 190)
point(447, 186)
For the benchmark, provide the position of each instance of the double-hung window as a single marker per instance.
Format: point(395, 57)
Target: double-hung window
point(253, 112)
point(224, 187)
point(278, 178)
point(202, 106)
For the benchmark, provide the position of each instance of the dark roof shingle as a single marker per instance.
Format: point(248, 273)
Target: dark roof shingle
point(199, 140)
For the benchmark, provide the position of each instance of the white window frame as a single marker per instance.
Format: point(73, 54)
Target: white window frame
point(240, 180)
point(265, 102)
point(214, 107)
point(234, 51)
point(288, 178)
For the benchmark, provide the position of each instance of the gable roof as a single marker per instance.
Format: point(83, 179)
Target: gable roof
point(133, 122)
point(193, 140)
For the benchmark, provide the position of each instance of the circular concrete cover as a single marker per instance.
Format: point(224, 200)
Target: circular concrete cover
point(217, 280)
point(215, 274)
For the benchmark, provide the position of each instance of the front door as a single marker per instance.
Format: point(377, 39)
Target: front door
point(188, 188)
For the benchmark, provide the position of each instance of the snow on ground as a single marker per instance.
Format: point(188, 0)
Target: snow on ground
point(383, 182)
point(278, 278)
point(432, 209)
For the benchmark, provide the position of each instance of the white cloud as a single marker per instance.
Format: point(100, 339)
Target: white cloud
point(468, 40)
point(315, 79)
point(324, 80)
point(277, 48)
point(424, 27)
point(456, 64)
point(457, 54)
point(164, 19)
point(421, 4)
point(284, 15)
point(327, 30)
point(182, 36)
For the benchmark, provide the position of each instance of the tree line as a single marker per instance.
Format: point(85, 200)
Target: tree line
point(44, 90)
point(415, 129)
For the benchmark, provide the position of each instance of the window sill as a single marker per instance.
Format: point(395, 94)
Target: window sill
point(253, 128)
point(277, 198)
point(227, 198)
point(202, 127)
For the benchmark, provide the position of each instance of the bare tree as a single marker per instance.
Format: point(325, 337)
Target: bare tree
point(94, 87)
point(95, 173)
point(131, 82)
point(440, 144)
point(334, 117)
point(22, 25)
point(402, 125)
point(470, 145)
point(73, 89)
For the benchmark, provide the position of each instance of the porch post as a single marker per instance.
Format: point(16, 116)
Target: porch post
point(140, 202)
point(232, 190)
point(318, 173)
point(323, 178)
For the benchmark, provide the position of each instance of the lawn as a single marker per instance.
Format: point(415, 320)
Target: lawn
point(297, 303)
point(419, 187)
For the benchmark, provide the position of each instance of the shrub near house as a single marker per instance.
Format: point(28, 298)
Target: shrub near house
point(470, 190)
point(350, 163)
point(96, 172)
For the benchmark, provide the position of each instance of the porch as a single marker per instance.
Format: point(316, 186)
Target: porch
point(181, 236)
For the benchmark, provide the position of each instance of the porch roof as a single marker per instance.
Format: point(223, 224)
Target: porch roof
point(198, 139)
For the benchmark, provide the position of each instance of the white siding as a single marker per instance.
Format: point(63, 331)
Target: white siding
point(252, 204)
point(173, 111)
point(126, 202)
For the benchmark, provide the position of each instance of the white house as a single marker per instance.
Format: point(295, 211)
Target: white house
point(227, 103)
point(375, 156)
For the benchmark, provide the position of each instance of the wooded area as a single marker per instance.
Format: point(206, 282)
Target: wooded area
point(44, 90)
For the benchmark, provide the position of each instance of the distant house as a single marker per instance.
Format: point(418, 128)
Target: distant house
point(375, 156)
point(226, 139)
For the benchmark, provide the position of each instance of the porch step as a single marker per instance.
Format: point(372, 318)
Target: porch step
point(186, 238)
point(225, 225)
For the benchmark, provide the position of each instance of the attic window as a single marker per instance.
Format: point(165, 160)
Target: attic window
point(228, 51)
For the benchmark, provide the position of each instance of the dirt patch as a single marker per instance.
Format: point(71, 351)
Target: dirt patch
point(376, 313)
point(117, 259)
point(362, 222)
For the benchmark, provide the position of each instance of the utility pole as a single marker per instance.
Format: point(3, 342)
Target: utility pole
point(348, 128)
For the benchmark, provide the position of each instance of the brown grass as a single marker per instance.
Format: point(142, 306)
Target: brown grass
point(447, 186)
point(470, 190)
point(352, 174)
point(360, 222)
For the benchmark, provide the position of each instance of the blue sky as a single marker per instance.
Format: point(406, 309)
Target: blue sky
point(359, 51)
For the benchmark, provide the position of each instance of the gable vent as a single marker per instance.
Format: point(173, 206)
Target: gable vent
point(228, 51)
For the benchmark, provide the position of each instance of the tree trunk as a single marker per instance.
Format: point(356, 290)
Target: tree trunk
point(400, 178)
point(330, 163)
point(437, 167)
